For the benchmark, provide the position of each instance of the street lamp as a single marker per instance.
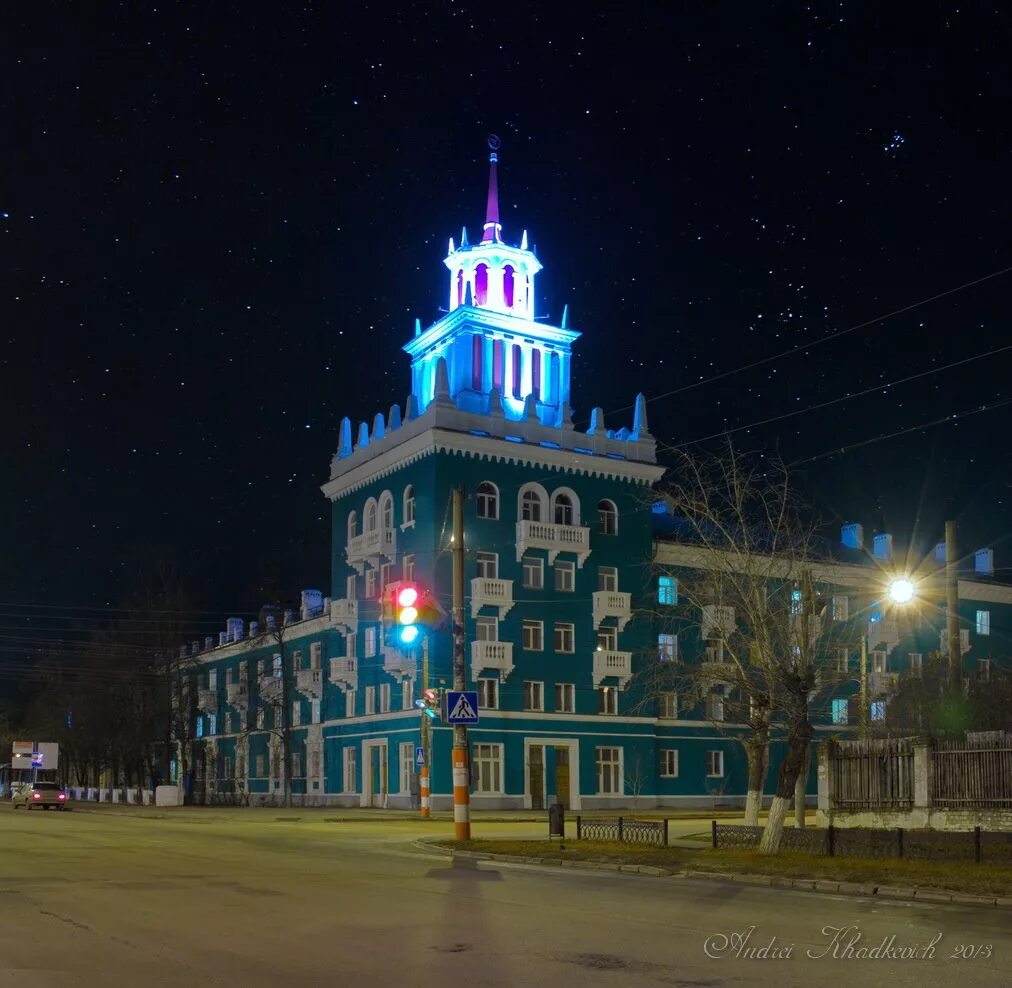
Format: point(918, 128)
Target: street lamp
point(900, 592)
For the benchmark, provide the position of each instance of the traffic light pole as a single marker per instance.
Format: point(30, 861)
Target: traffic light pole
point(461, 771)
point(423, 775)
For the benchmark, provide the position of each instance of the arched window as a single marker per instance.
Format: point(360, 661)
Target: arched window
point(460, 287)
point(488, 500)
point(530, 506)
point(607, 518)
point(370, 516)
point(481, 284)
point(563, 509)
point(507, 285)
point(352, 525)
point(387, 509)
point(409, 505)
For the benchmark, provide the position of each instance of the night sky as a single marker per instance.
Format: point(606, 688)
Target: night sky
point(220, 220)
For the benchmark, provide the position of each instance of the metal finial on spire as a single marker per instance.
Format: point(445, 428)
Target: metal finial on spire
point(492, 229)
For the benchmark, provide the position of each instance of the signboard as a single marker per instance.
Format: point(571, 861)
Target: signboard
point(419, 756)
point(35, 754)
point(462, 707)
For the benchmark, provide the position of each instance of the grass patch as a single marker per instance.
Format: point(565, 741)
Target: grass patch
point(949, 876)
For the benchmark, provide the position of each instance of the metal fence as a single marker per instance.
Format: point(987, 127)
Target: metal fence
point(969, 776)
point(873, 774)
point(624, 829)
point(854, 842)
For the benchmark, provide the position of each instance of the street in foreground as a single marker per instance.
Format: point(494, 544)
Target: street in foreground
point(273, 898)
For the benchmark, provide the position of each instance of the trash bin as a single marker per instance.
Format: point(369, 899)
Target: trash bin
point(556, 820)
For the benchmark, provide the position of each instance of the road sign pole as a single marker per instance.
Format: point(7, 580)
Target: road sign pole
point(461, 773)
point(423, 775)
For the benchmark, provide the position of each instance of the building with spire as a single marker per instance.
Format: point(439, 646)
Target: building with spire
point(563, 606)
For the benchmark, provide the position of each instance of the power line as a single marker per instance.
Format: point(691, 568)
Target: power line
point(837, 401)
point(901, 432)
point(821, 340)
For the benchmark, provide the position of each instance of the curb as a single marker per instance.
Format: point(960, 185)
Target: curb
point(823, 886)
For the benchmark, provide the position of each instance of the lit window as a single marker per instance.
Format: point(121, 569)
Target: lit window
point(878, 710)
point(669, 763)
point(607, 518)
point(488, 500)
point(667, 591)
point(795, 601)
point(983, 622)
point(565, 576)
point(839, 711)
point(667, 647)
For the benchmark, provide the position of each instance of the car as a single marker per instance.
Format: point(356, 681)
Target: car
point(43, 794)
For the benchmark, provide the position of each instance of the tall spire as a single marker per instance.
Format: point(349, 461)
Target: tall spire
point(492, 231)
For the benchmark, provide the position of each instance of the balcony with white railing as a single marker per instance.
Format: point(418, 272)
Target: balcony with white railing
point(617, 665)
point(883, 634)
point(237, 695)
point(344, 672)
point(370, 546)
point(553, 539)
point(491, 655)
point(309, 682)
point(612, 604)
point(207, 700)
point(491, 593)
point(269, 687)
point(344, 612)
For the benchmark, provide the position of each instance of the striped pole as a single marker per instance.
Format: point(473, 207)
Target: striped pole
point(423, 775)
point(423, 789)
point(461, 795)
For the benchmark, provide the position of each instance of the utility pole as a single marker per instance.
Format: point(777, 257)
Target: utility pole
point(423, 775)
point(864, 712)
point(461, 770)
point(952, 606)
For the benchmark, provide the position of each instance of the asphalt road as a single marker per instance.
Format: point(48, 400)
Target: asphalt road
point(253, 898)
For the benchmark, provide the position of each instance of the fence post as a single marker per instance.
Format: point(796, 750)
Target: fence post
point(976, 844)
point(713, 833)
point(579, 829)
point(620, 830)
point(665, 831)
point(899, 841)
point(831, 840)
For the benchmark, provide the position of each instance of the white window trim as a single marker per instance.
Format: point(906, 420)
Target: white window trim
point(621, 769)
point(541, 691)
point(723, 768)
point(541, 635)
point(572, 638)
point(501, 759)
point(664, 773)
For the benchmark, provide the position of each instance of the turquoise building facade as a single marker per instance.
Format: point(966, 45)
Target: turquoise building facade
point(563, 605)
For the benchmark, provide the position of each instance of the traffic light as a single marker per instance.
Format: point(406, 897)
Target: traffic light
point(429, 702)
point(406, 630)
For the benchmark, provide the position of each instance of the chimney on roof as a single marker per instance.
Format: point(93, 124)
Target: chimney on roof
point(882, 546)
point(852, 535)
point(208, 643)
point(222, 637)
point(182, 651)
point(983, 562)
point(234, 625)
point(194, 648)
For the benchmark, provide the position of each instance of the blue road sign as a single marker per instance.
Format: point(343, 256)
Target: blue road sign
point(462, 707)
point(419, 755)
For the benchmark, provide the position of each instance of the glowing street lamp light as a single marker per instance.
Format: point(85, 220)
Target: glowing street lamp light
point(901, 591)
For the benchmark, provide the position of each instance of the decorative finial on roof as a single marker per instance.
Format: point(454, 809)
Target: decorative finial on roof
point(418, 327)
point(565, 315)
point(344, 447)
point(523, 241)
point(492, 229)
point(641, 427)
point(463, 237)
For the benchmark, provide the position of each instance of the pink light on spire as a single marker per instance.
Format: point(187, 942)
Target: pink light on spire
point(492, 230)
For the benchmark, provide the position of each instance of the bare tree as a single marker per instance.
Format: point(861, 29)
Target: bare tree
point(745, 588)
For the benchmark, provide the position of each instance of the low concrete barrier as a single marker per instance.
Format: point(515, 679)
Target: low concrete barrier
point(147, 797)
point(168, 796)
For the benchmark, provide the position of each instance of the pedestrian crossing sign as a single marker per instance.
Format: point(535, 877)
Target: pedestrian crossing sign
point(462, 707)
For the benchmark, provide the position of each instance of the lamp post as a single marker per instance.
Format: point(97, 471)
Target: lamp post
point(900, 592)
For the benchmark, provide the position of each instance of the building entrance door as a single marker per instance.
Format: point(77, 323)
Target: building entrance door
point(562, 776)
point(378, 775)
point(537, 776)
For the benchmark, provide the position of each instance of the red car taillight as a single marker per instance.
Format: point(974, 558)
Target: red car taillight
point(36, 795)
point(62, 795)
